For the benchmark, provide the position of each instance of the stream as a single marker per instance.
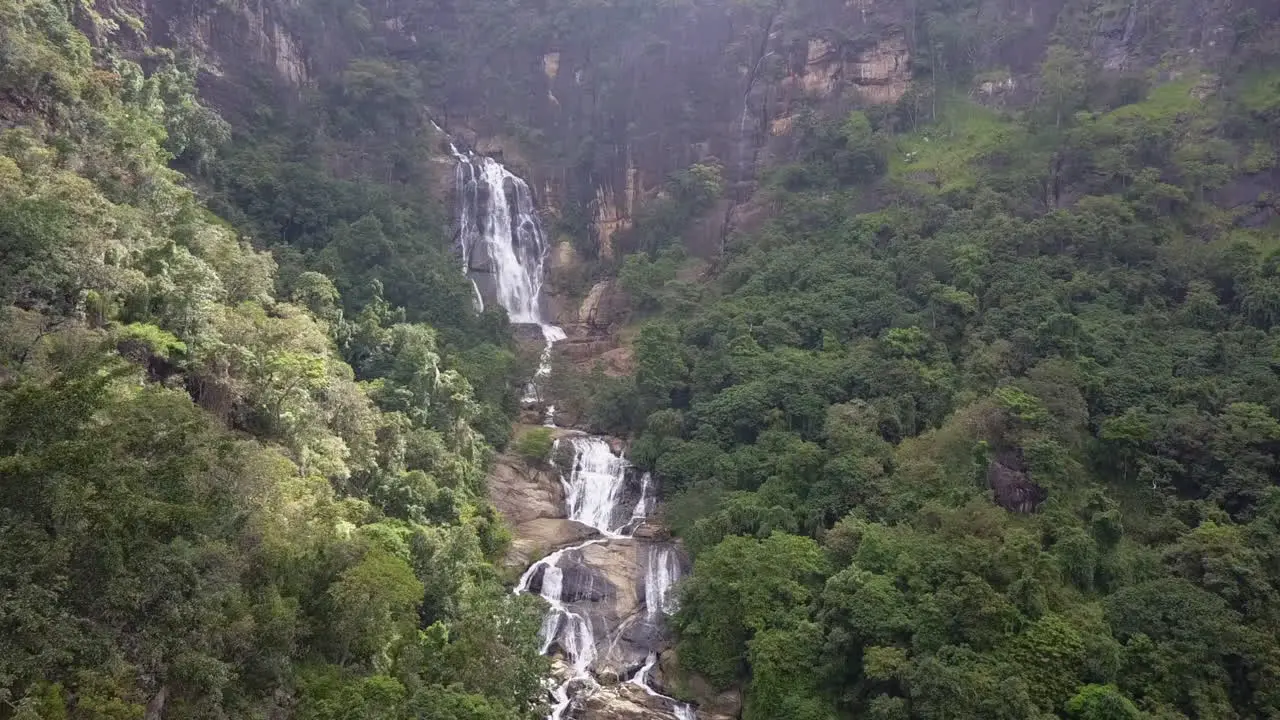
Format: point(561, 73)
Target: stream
point(504, 253)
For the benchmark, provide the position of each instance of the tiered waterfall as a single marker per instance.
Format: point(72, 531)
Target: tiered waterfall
point(504, 252)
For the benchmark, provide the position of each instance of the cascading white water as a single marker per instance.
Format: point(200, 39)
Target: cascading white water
point(662, 571)
point(496, 217)
point(682, 711)
point(644, 505)
point(595, 484)
point(552, 591)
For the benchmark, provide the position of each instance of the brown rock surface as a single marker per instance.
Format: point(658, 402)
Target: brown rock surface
point(623, 566)
point(522, 493)
point(619, 362)
point(531, 500)
point(668, 677)
point(624, 702)
point(537, 538)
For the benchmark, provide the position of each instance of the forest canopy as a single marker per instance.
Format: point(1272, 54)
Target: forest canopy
point(220, 496)
point(978, 420)
point(982, 421)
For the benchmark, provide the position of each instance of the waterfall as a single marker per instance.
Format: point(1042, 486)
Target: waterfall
point(595, 484)
point(644, 505)
point(682, 711)
point(552, 591)
point(499, 234)
point(573, 630)
point(661, 572)
point(496, 217)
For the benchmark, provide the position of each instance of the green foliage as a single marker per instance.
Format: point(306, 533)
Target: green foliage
point(214, 503)
point(740, 590)
point(534, 446)
point(153, 339)
point(1064, 76)
point(1026, 407)
point(1101, 702)
point(652, 284)
point(659, 224)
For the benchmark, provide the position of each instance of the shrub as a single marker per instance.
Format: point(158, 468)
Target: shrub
point(535, 446)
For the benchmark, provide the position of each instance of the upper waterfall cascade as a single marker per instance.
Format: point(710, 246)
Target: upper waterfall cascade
point(496, 217)
point(499, 234)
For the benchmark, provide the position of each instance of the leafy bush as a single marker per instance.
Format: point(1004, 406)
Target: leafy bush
point(535, 445)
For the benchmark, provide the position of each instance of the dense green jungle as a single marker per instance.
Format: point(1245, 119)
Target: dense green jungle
point(978, 419)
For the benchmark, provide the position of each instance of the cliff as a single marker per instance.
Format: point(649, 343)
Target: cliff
point(597, 105)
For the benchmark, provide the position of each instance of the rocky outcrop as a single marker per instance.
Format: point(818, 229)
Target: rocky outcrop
point(585, 343)
point(712, 704)
point(531, 500)
point(602, 582)
point(879, 74)
point(626, 701)
point(597, 113)
point(1009, 480)
point(523, 493)
point(605, 305)
point(538, 537)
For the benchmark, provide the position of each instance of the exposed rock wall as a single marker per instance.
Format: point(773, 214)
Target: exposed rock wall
point(595, 118)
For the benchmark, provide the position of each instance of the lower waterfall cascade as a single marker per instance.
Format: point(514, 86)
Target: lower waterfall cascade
point(499, 234)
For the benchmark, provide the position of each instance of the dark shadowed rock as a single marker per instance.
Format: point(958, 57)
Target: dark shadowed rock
point(1007, 476)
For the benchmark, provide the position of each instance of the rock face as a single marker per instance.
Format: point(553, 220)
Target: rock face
point(522, 493)
point(535, 538)
point(626, 702)
point(602, 582)
point(596, 119)
point(712, 704)
point(1008, 478)
point(531, 499)
point(686, 82)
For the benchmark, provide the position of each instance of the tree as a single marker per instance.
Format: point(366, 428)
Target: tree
point(1062, 77)
point(373, 607)
point(1101, 702)
point(740, 588)
point(534, 446)
point(659, 366)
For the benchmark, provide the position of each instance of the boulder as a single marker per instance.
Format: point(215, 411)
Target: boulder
point(605, 305)
point(1010, 482)
point(604, 583)
point(531, 500)
point(615, 564)
point(651, 531)
point(522, 493)
point(619, 362)
point(625, 701)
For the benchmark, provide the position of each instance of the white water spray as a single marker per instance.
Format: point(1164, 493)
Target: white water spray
point(644, 505)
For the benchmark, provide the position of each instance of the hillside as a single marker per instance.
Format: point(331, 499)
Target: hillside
point(220, 495)
point(947, 329)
